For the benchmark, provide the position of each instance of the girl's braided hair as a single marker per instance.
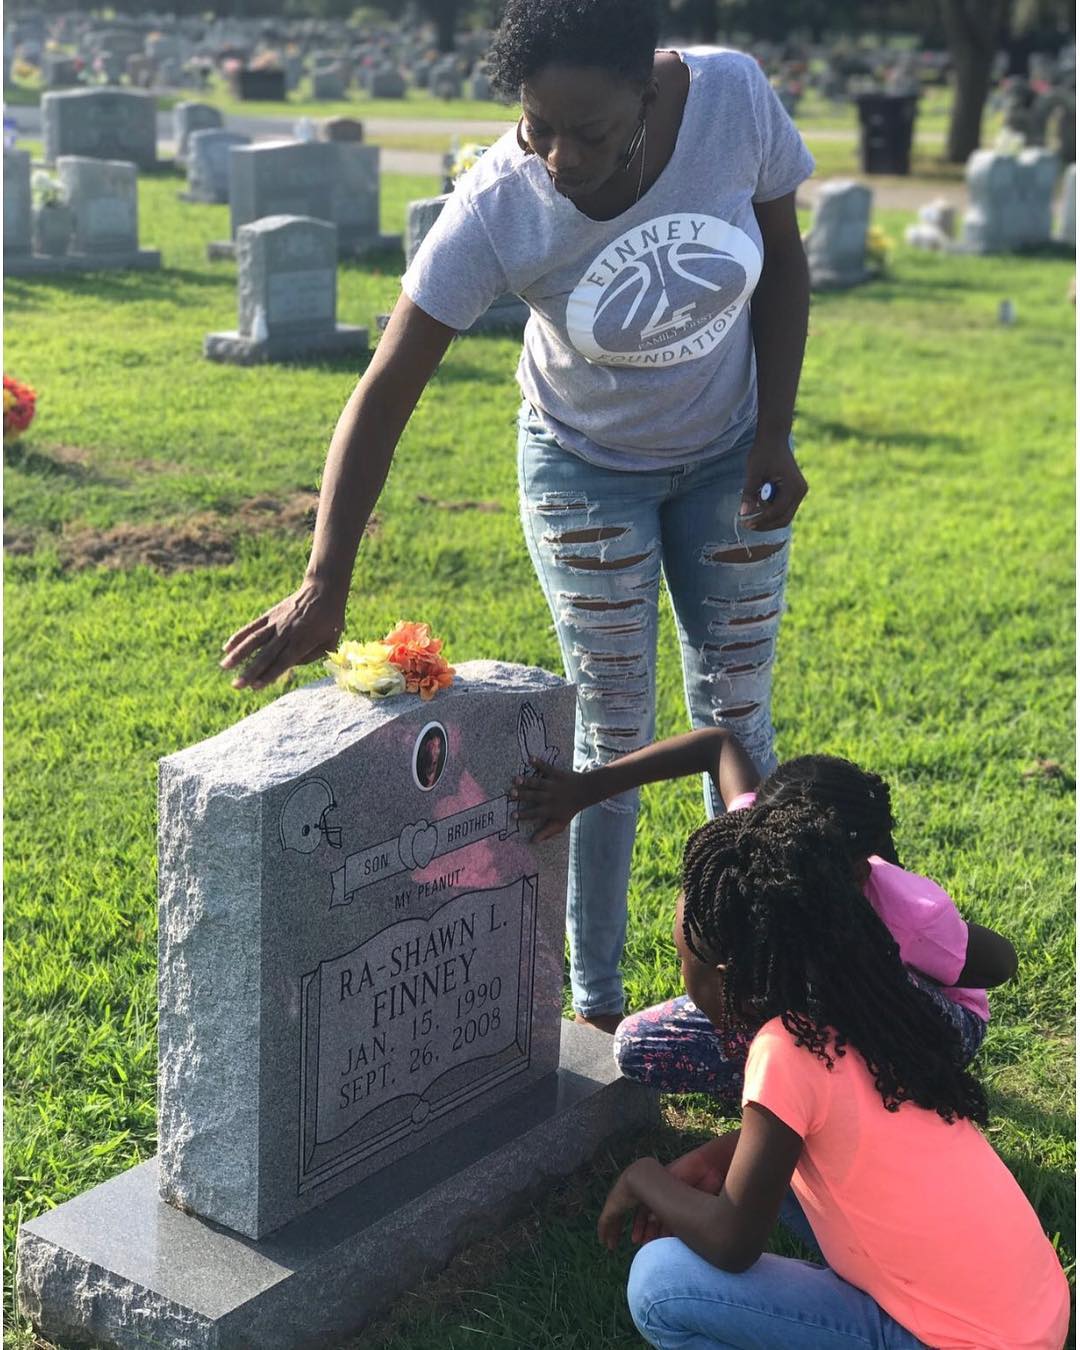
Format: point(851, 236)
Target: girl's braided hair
point(618, 36)
point(769, 894)
point(860, 799)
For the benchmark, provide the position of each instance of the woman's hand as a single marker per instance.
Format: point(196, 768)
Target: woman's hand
point(771, 466)
point(303, 627)
point(549, 798)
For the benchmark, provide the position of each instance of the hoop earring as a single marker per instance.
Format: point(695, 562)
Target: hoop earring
point(523, 144)
point(635, 145)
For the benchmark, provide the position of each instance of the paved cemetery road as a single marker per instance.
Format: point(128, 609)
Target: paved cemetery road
point(902, 194)
point(29, 123)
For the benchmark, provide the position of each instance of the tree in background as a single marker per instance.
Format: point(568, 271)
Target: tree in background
point(972, 31)
point(444, 15)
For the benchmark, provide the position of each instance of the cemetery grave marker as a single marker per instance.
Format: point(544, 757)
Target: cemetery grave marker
point(341, 129)
point(332, 181)
point(208, 165)
point(189, 117)
point(385, 82)
point(1065, 231)
point(360, 972)
point(1010, 200)
point(114, 124)
point(286, 295)
point(836, 240)
point(16, 204)
point(60, 72)
point(103, 199)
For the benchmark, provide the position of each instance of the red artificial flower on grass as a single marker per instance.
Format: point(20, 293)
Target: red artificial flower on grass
point(19, 404)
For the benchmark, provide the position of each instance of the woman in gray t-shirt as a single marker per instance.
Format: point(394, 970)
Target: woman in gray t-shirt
point(643, 207)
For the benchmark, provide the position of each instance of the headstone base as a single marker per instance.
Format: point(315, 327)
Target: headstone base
point(39, 264)
point(343, 339)
point(121, 1269)
point(224, 250)
point(837, 281)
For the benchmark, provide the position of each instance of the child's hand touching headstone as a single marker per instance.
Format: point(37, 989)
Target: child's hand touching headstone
point(549, 798)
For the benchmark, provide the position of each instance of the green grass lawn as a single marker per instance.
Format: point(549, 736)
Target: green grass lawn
point(929, 636)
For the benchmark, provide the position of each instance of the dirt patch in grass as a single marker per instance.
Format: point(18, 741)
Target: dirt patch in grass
point(165, 546)
point(207, 539)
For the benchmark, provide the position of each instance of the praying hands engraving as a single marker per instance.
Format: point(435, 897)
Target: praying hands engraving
point(532, 738)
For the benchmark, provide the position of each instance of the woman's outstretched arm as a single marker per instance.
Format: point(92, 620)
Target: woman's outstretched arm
point(307, 623)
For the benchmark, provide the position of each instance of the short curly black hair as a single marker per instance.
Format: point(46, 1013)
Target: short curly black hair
point(618, 36)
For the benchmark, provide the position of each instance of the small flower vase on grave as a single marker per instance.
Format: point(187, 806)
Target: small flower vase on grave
point(52, 229)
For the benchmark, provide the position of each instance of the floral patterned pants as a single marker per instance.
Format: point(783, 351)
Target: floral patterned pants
point(675, 1048)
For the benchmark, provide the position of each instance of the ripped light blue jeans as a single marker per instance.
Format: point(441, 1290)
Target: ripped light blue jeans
point(600, 540)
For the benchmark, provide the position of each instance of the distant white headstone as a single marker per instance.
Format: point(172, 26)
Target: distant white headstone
point(836, 242)
point(1009, 200)
point(103, 198)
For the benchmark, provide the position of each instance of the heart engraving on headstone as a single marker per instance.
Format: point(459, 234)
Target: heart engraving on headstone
point(425, 842)
point(405, 846)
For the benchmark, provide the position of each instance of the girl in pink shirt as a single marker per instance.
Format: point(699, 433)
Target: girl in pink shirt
point(855, 1100)
point(673, 1046)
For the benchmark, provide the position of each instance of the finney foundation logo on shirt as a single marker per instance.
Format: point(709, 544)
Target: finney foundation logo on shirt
point(664, 292)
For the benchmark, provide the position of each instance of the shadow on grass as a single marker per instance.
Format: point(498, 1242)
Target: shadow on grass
point(380, 262)
point(43, 465)
point(462, 372)
point(119, 286)
point(164, 168)
point(1033, 1119)
point(828, 429)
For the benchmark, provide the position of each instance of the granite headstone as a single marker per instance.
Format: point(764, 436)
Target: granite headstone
point(327, 83)
point(354, 205)
point(59, 72)
point(280, 178)
point(385, 82)
point(836, 241)
point(1009, 200)
point(16, 203)
point(189, 117)
point(404, 941)
point(341, 129)
point(360, 972)
point(116, 124)
point(1065, 229)
point(101, 196)
point(208, 165)
point(286, 295)
point(329, 180)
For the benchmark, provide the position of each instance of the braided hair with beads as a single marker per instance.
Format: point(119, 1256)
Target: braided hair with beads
point(859, 798)
point(769, 896)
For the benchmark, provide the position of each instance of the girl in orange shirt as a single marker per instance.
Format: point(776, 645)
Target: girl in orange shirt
point(858, 1130)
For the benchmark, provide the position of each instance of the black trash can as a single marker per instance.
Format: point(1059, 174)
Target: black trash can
point(887, 128)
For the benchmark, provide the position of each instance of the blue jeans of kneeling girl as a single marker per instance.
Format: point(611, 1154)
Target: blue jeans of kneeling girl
point(600, 540)
point(680, 1302)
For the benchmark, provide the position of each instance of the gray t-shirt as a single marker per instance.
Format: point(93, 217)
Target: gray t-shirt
point(638, 353)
